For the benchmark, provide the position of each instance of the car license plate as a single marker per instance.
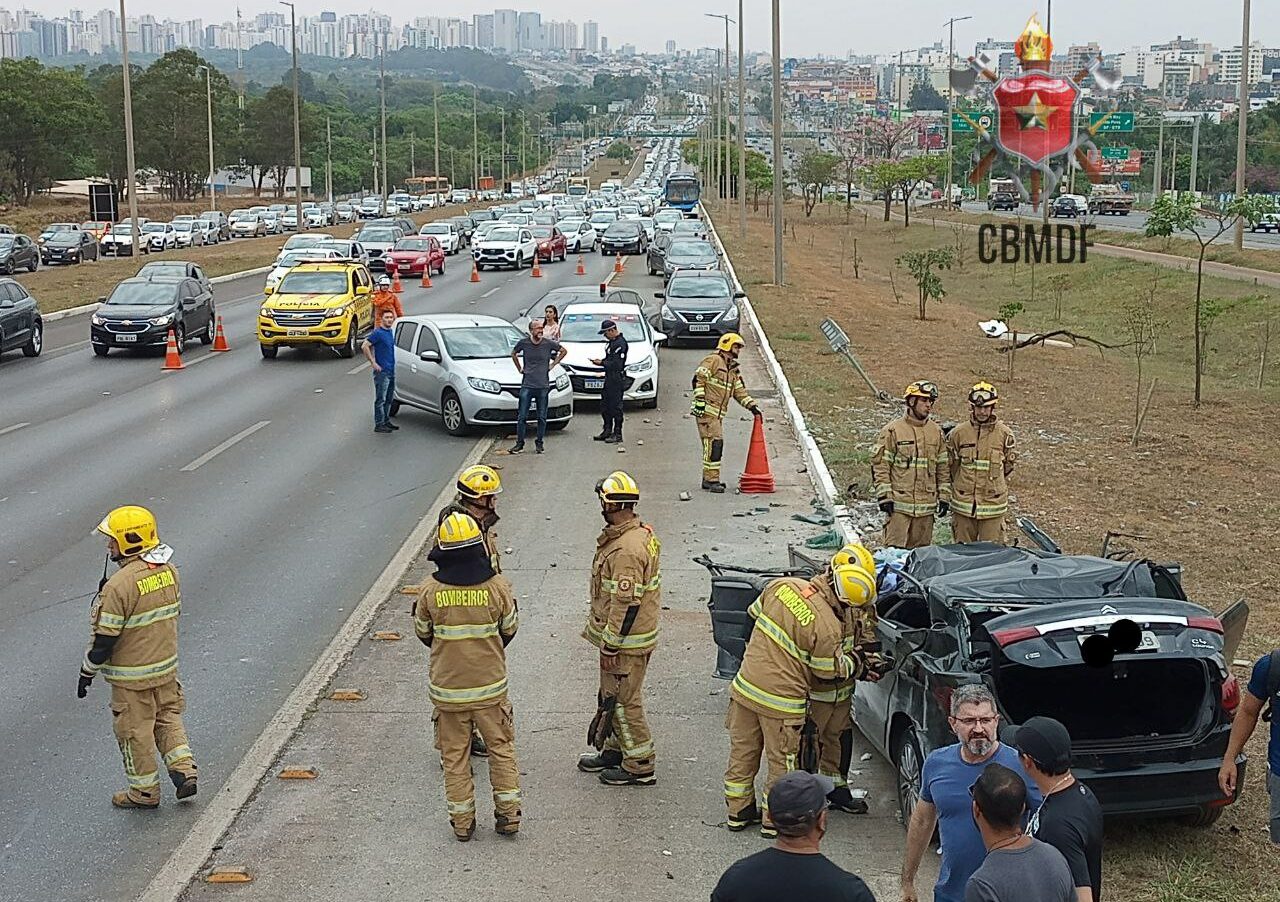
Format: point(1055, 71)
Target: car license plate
point(593, 384)
point(126, 338)
point(294, 333)
point(1148, 642)
point(699, 327)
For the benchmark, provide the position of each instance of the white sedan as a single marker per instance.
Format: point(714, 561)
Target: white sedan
point(580, 335)
point(580, 236)
point(291, 258)
point(446, 233)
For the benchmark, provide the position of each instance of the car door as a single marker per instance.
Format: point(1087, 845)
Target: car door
point(408, 373)
point(15, 316)
point(903, 630)
point(431, 375)
point(197, 273)
point(189, 300)
point(204, 303)
point(529, 246)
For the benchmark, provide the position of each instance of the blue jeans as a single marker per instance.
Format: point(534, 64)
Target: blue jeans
point(526, 397)
point(384, 389)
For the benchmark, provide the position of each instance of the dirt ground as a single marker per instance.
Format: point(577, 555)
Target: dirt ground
point(1192, 488)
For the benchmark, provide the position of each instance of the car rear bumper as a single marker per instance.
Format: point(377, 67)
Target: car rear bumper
point(1160, 790)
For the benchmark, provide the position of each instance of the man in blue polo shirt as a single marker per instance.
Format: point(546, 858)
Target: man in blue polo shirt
point(380, 349)
point(1263, 688)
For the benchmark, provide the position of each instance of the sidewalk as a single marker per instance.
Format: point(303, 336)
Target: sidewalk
point(373, 826)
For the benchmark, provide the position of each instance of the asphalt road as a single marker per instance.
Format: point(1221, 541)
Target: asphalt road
point(277, 537)
point(1134, 222)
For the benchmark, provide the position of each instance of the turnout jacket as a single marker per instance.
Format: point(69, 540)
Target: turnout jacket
point(909, 466)
point(857, 639)
point(626, 589)
point(797, 637)
point(715, 382)
point(139, 604)
point(982, 456)
point(467, 628)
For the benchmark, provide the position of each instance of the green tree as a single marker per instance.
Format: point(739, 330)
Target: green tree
point(1171, 214)
point(912, 172)
point(620, 150)
point(815, 171)
point(759, 176)
point(923, 266)
point(925, 97)
point(47, 118)
point(884, 176)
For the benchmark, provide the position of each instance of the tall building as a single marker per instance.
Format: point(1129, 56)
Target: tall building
point(482, 26)
point(1229, 70)
point(531, 34)
point(506, 30)
point(671, 48)
point(591, 36)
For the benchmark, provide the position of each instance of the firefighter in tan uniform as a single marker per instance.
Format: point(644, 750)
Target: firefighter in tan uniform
point(910, 470)
point(466, 614)
point(982, 456)
point(830, 701)
point(623, 624)
point(716, 381)
point(797, 636)
point(135, 646)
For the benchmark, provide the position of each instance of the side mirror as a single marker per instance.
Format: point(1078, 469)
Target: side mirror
point(363, 289)
point(429, 356)
point(102, 300)
point(737, 295)
point(659, 294)
point(267, 289)
point(659, 338)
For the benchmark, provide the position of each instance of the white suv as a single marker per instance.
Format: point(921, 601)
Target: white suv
point(506, 245)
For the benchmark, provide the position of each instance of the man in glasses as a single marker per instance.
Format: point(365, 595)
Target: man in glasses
point(945, 803)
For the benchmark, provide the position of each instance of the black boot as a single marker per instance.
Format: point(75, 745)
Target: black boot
point(478, 747)
point(744, 818)
point(593, 764)
point(713, 486)
point(603, 436)
point(506, 826)
point(842, 799)
point(620, 776)
point(184, 786)
point(615, 439)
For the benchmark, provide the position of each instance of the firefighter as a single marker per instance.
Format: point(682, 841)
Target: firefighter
point(830, 701)
point(478, 490)
point(910, 472)
point(135, 646)
point(466, 614)
point(715, 382)
point(982, 456)
point(623, 625)
point(797, 636)
point(385, 299)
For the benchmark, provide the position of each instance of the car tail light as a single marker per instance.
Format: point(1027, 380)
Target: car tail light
point(1016, 634)
point(1230, 695)
point(942, 695)
point(1212, 624)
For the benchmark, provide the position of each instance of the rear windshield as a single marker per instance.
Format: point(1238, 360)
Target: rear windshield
point(314, 283)
point(689, 249)
point(413, 244)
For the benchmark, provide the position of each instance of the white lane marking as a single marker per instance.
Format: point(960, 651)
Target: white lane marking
point(360, 369)
point(493, 290)
point(171, 881)
point(210, 455)
point(192, 361)
point(14, 428)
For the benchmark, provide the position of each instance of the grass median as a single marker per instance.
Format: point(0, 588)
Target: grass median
point(1189, 491)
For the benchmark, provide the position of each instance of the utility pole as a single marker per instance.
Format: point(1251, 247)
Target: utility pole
point(131, 172)
point(742, 136)
point(413, 163)
point(524, 169)
point(951, 103)
point(1157, 183)
point(475, 142)
point(328, 162)
point(435, 124)
point(208, 86)
point(382, 97)
point(1173, 168)
point(1195, 152)
point(777, 144)
point(1243, 129)
point(374, 156)
point(239, 60)
point(503, 144)
point(297, 118)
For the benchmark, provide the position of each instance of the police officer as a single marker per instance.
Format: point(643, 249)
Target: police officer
point(466, 614)
point(135, 646)
point(910, 471)
point(623, 625)
point(715, 382)
point(615, 373)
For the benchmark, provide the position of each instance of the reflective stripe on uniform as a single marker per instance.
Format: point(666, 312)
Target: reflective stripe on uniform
point(424, 628)
point(738, 790)
point(467, 807)
point(110, 621)
point(780, 638)
point(927, 509)
point(510, 622)
point(987, 511)
point(780, 703)
point(632, 641)
point(165, 612)
point(506, 795)
point(466, 631)
point(141, 671)
point(459, 696)
point(627, 740)
point(173, 756)
point(831, 696)
point(144, 781)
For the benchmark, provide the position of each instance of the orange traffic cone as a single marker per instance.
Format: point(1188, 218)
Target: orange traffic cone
point(426, 276)
point(172, 359)
point(475, 272)
point(395, 281)
point(617, 264)
point(582, 267)
point(536, 272)
point(757, 478)
point(220, 339)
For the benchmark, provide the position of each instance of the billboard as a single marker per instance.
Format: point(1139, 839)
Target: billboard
point(1131, 164)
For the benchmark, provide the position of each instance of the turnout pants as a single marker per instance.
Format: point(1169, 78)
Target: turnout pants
point(611, 405)
point(971, 529)
point(751, 734)
point(834, 722)
point(453, 740)
point(711, 432)
point(630, 733)
point(902, 531)
point(147, 720)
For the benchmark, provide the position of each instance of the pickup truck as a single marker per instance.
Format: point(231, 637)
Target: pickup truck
point(1270, 222)
point(1105, 199)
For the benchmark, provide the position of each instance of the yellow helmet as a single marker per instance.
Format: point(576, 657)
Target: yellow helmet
point(133, 528)
point(458, 531)
point(854, 585)
point(479, 481)
point(854, 553)
point(983, 394)
point(728, 340)
point(921, 388)
point(618, 488)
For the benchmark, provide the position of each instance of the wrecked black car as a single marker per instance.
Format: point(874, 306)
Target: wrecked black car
point(1149, 719)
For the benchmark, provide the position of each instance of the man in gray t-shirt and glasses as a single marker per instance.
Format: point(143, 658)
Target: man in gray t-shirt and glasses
point(1018, 867)
point(534, 357)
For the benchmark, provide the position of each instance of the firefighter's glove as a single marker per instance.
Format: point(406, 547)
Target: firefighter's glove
point(756, 412)
point(944, 508)
point(886, 506)
point(82, 687)
point(610, 662)
point(699, 408)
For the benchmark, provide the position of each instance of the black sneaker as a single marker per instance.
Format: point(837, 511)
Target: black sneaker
point(593, 764)
point(615, 439)
point(392, 426)
point(604, 436)
point(478, 747)
point(842, 799)
point(538, 447)
point(744, 818)
point(386, 430)
point(516, 449)
point(184, 786)
point(618, 776)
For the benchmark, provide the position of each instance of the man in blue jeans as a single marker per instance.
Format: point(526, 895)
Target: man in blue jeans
point(380, 350)
point(1258, 701)
point(534, 357)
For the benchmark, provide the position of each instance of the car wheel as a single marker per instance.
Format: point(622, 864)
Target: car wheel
point(519, 262)
point(908, 761)
point(348, 349)
point(650, 403)
point(8, 267)
point(35, 344)
point(101, 350)
point(441, 266)
point(180, 336)
point(210, 331)
point(451, 413)
point(33, 265)
point(269, 352)
point(1205, 817)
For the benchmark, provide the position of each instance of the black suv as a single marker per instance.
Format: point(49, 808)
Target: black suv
point(16, 251)
point(141, 311)
point(699, 304)
point(20, 322)
point(70, 246)
point(1002, 200)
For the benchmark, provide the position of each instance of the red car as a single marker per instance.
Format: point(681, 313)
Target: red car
point(414, 254)
point(551, 245)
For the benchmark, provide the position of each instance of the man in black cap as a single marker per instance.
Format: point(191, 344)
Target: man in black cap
point(794, 867)
point(615, 371)
point(1069, 818)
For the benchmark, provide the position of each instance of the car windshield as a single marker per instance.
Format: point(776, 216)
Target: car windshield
point(242, 217)
point(6, 242)
point(65, 238)
point(342, 247)
point(480, 342)
point(314, 283)
point(668, 216)
point(302, 241)
point(688, 227)
point(145, 294)
point(185, 226)
point(689, 249)
point(413, 244)
point(502, 235)
point(624, 228)
point(298, 255)
point(698, 288)
point(541, 231)
point(90, 226)
point(585, 327)
point(379, 235)
point(570, 225)
point(154, 227)
point(122, 229)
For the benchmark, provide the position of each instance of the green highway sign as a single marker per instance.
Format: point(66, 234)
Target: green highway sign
point(1111, 122)
point(1115, 153)
point(984, 118)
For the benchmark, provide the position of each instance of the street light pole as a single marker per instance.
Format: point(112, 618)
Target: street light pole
point(951, 102)
point(502, 143)
point(1242, 130)
point(777, 144)
point(435, 124)
point(742, 136)
point(328, 163)
point(130, 175)
point(475, 143)
point(382, 98)
point(297, 117)
point(208, 85)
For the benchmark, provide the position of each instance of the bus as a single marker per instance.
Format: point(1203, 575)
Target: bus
point(430, 186)
point(578, 186)
point(681, 191)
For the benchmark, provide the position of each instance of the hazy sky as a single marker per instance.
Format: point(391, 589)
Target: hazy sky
point(808, 26)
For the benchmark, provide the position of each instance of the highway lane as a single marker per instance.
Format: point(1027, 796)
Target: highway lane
point(277, 536)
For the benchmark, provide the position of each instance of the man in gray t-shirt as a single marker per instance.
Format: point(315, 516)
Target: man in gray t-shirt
point(534, 357)
point(1018, 867)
